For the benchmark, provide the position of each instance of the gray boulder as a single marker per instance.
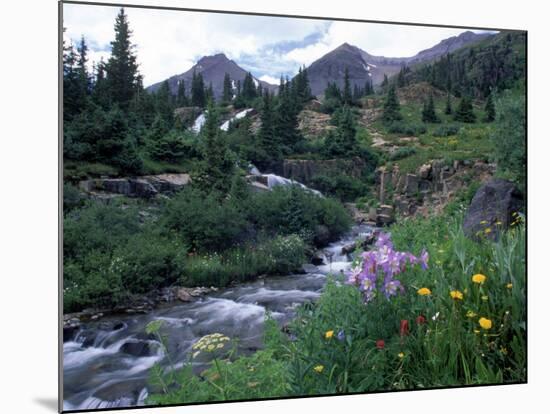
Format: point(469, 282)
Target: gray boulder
point(492, 208)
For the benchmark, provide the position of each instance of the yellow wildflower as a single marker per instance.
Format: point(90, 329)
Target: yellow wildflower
point(485, 323)
point(476, 331)
point(479, 278)
point(483, 222)
point(509, 286)
point(319, 368)
point(485, 298)
point(424, 291)
point(470, 314)
point(487, 230)
point(456, 295)
point(401, 355)
point(329, 334)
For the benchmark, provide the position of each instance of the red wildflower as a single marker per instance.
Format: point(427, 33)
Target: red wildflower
point(404, 327)
point(380, 344)
point(420, 320)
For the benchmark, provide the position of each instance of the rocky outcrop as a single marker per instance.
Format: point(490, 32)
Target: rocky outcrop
point(304, 170)
point(313, 123)
point(187, 114)
point(429, 188)
point(492, 209)
point(146, 186)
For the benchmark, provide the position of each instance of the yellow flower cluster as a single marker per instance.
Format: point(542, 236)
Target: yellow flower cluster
point(485, 323)
point(479, 278)
point(318, 368)
point(329, 334)
point(210, 343)
point(456, 295)
point(424, 291)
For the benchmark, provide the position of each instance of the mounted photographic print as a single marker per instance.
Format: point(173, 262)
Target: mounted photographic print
point(265, 206)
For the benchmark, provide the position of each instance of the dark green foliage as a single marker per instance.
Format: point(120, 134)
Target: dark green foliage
point(341, 186)
point(302, 88)
point(269, 145)
point(99, 135)
point(509, 137)
point(171, 147)
point(347, 98)
point(385, 83)
point(497, 62)
point(198, 94)
point(291, 210)
point(122, 69)
point(402, 127)
point(333, 98)
point(181, 97)
point(368, 90)
point(490, 109)
point(428, 112)
point(286, 121)
point(391, 107)
point(465, 111)
point(204, 221)
point(164, 102)
point(342, 142)
point(215, 170)
point(72, 198)
point(446, 130)
point(448, 106)
point(402, 152)
point(248, 91)
point(227, 94)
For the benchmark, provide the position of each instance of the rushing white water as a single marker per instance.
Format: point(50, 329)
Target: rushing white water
point(99, 373)
point(276, 180)
point(239, 115)
point(199, 123)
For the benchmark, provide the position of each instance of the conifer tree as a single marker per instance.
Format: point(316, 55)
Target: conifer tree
point(490, 109)
point(391, 107)
point(181, 97)
point(164, 106)
point(215, 171)
point(465, 111)
point(347, 98)
point(227, 94)
point(342, 141)
point(248, 88)
point(84, 79)
point(268, 141)
point(384, 83)
point(198, 94)
point(428, 112)
point(286, 120)
point(448, 107)
point(122, 67)
point(210, 93)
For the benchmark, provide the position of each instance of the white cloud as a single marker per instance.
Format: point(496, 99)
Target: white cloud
point(270, 79)
point(169, 42)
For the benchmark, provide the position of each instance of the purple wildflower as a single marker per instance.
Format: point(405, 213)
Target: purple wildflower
point(341, 335)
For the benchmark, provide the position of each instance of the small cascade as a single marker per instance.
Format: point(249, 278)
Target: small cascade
point(199, 123)
point(276, 180)
point(239, 115)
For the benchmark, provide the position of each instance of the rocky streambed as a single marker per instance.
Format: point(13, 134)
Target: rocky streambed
point(107, 358)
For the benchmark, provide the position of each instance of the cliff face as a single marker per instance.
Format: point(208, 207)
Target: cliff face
point(304, 170)
point(431, 187)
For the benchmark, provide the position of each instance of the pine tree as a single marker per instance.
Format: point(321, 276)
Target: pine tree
point(342, 142)
point(181, 97)
point(286, 120)
point(490, 109)
point(448, 107)
point(122, 67)
point(85, 83)
point(215, 171)
point(347, 97)
point(401, 78)
point(227, 94)
point(248, 88)
point(210, 93)
point(384, 83)
point(391, 107)
point(357, 94)
point(198, 94)
point(368, 88)
point(465, 111)
point(268, 141)
point(428, 112)
point(164, 106)
point(71, 84)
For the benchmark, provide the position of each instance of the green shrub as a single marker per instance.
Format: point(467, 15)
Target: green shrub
point(402, 127)
point(344, 187)
point(401, 153)
point(446, 130)
point(204, 222)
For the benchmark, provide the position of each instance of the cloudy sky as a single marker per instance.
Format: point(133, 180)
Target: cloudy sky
point(170, 42)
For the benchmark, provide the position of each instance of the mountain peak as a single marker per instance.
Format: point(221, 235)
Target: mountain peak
point(213, 59)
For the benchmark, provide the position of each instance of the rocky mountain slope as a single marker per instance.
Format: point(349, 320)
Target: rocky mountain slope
point(213, 69)
point(363, 66)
